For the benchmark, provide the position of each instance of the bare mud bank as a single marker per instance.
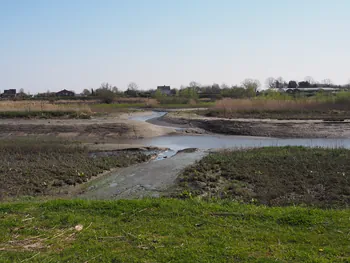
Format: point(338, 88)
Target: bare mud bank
point(151, 179)
point(119, 127)
point(258, 127)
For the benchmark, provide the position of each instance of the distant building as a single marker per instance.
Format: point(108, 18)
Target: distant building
point(164, 90)
point(65, 93)
point(9, 93)
point(311, 91)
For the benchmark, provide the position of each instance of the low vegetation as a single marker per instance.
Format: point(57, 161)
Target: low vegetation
point(31, 167)
point(272, 176)
point(152, 104)
point(165, 230)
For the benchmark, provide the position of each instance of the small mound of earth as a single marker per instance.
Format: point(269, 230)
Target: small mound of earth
point(188, 150)
point(193, 131)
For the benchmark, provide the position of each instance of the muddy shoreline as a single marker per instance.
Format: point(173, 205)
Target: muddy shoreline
point(95, 129)
point(260, 128)
point(148, 179)
point(122, 127)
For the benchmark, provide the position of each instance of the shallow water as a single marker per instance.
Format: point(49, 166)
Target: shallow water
point(179, 142)
point(221, 141)
point(155, 114)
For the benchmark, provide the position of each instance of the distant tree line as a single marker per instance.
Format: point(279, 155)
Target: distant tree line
point(249, 88)
point(107, 92)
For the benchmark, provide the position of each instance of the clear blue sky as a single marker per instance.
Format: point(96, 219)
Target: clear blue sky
point(77, 44)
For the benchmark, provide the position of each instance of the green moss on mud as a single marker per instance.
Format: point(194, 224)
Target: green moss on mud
point(38, 167)
point(273, 176)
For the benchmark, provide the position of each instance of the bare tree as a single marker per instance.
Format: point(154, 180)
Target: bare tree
point(310, 80)
point(133, 86)
point(21, 91)
point(251, 84)
point(194, 84)
point(106, 86)
point(347, 85)
point(271, 83)
point(115, 90)
point(224, 86)
point(327, 82)
point(281, 80)
point(86, 92)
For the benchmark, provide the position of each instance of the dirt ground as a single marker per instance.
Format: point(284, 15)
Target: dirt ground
point(260, 127)
point(120, 127)
point(98, 128)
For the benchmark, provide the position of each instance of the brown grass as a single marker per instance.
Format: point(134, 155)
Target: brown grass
point(41, 106)
point(131, 100)
point(152, 102)
point(232, 105)
point(97, 100)
point(303, 108)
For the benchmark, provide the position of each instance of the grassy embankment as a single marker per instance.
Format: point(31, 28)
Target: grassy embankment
point(335, 107)
point(32, 167)
point(191, 230)
point(272, 176)
point(165, 230)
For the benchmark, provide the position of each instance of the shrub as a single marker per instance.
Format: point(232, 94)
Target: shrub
point(105, 95)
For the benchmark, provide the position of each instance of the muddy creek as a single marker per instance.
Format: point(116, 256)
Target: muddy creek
point(179, 142)
point(153, 179)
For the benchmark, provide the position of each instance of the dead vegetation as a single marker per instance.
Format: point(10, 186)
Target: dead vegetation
point(42, 106)
point(337, 109)
point(43, 109)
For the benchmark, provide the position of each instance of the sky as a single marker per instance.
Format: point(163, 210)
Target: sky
point(78, 44)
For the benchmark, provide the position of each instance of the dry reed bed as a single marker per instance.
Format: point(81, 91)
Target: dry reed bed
point(41, 106)
point(97, 101)
point(233, 105)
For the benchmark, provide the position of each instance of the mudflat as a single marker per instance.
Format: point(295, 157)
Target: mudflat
point(110, 127)
point(261, 127)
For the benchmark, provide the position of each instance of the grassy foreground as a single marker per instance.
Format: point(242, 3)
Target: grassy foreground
point(166, 230)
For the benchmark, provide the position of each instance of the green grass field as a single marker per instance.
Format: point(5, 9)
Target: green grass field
point(169, 230)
